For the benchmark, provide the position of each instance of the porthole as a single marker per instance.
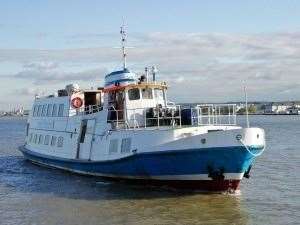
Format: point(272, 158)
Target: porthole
point(239, 137)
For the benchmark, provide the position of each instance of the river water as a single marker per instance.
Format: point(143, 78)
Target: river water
point(30, 194)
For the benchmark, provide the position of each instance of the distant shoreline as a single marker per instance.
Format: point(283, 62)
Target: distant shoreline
point(269, 114)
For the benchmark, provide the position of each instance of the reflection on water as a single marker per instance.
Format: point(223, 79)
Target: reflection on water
point(44, 196)
point(31, 194)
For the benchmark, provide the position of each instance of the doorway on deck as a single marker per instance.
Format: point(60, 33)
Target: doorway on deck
point(93, 101)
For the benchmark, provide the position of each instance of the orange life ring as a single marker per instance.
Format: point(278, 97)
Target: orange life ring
point(76, 102)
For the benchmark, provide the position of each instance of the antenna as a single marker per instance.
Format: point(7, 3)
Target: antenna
point(123, 35)
point(147, 74)
point(246, 105)
point(154, 71)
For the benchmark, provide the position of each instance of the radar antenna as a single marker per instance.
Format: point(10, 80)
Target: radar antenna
point(123, 35)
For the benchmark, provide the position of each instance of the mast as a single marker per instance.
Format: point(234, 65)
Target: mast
point(123, 36)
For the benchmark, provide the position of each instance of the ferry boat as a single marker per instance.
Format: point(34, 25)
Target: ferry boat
point(128, 130)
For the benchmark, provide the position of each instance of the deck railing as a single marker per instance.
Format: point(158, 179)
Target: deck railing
point(205, 114)
point(145, 117)
point(214, 114)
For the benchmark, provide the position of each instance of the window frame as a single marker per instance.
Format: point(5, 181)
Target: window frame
point(144, 95)
point(60, 142)
point(49, 110)
point(40, 139)
point(130, 96)
point(35, 138)
point(113, 146)
point(126, 145)
point(61, 109)
point(53, 141)
point(54, 110)
point(44, 110)
point(34, 110)
point(47, 139)
point(39, 111)
point(156, 95)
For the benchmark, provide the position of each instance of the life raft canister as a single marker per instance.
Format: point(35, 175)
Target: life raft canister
point(76, 102)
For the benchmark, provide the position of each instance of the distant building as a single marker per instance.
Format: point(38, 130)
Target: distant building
point(276, 108)
point(293, 110)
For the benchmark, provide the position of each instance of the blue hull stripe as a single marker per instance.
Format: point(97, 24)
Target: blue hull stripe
point(181, 162)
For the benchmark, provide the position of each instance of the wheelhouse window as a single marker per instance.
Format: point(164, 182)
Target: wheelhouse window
point(134, 94)
point(159, 94)
point(147, 93)
point(61, 110)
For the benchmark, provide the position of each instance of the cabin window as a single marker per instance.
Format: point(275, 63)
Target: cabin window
point(27, 129)
point(147, 93)
point(113, 146)
point(49, 109)
point(61, 110)
point(126, 145)
point(46, 140)
point(41, 139)
point(60, 141)
point(34, 110)
point(53, 141)
point(134, 94)
point(35, 138)
point(54, 110)
point(44, 110)
point(39, 113)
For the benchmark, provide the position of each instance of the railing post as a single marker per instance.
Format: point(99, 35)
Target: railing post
point(157, 117)
point(208, 113)
point(117, 118)
point(220, 119)
point(145, 114)
point(179, 116)
point(234, 114)
point(134, 119)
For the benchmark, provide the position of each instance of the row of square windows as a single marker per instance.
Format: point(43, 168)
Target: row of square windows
point(125, 145)
point(48, 110)
point(46, 140)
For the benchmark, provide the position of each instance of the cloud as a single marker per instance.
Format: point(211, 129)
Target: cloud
point(26, 91)
point(45, 76)
point(41, 65)
point(199, 67)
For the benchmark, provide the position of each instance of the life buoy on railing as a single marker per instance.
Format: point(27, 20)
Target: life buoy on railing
point(76, 102)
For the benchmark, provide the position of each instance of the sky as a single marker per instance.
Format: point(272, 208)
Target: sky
point(207, 51)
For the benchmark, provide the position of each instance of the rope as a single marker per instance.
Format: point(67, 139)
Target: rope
point(251, 153)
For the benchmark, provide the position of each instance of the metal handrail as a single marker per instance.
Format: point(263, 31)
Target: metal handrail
point(203, 114)
point(134, 122)
point(215, 114)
